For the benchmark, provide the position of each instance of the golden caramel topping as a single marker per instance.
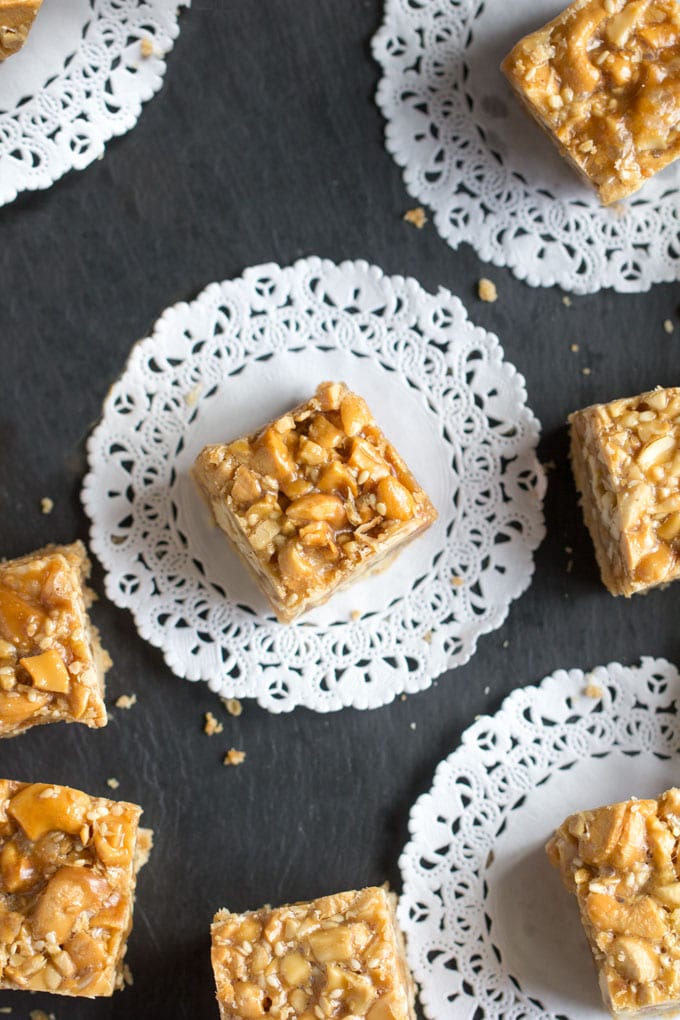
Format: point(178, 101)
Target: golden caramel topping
point(40, 808)
point(47, 671)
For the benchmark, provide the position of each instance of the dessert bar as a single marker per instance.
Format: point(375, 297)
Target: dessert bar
point(603, 80)
point(626, 461)
point(314, 499)
point(52, 664)
point(339, 956)
point(621, 863)
point(68, 865)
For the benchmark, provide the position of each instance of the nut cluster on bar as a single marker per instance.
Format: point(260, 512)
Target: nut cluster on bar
point(68, 865)
point(339, 956)
point(626, 461)
point(603, 80)
point(16, 21)
point(314, 499)
point(52, 664)
point(621, 863)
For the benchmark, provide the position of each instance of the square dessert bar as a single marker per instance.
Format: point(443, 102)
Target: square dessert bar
point(622, 863)
point(626, 461)
point(68, 866)
point(16, 20)
point(52, 664)
point(340, 956)
point(314, 499)
point(603, 80)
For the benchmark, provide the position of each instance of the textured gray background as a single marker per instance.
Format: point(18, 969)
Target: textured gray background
point(265, 145)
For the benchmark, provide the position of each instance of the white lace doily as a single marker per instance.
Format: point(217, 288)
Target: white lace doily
point(491, 932)
point(80, 79)
point(482, 165)
point(242, 353)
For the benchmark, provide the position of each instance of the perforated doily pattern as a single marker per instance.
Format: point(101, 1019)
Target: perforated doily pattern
point(77, 93)
point(477, 160)
point(414, 356)
point(489, 788)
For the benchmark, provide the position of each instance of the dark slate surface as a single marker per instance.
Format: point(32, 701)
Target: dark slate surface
point(265, 145)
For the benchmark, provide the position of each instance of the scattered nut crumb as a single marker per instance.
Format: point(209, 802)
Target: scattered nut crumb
point(192, 396)
point(113, 783)
point(570, 566)
point(40, 1014)
point(457, 582)
point(412, 725)
point(668, 326)
point(403, 697)
point(234, 757)
point(126, 701)
point(427, 636)
point(486, 690)
point(146, 48)
point(46, 505)
point(549, 465)
point(355, 615)
point(232, 705)
point(416, 216)
point(487, 290)
point(566, 301)
point(506, 644)
point(593, 691)
point(5, 1009)
point(211, 724)
point(586, 370)
point(127, 975)
point(117, 539)
point(575, 348)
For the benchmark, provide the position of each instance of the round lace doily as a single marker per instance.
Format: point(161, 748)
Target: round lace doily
point(80, 79)
point(488, 924)
point(483, 166)
point(244, 352)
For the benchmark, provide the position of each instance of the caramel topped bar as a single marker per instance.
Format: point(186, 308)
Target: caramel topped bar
point(603, 80)
point(16, 21)
point(52, 665)
point(622, 863)
point(314, 499)
point(337, 957)
point(626, 461)
point(68, 865)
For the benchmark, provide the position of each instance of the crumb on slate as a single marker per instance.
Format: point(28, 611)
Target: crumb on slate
point(668, 326)
point(585, 370)
point(211, 724)
point(416, 216)
point(46, 505)
point(232, 705)
point(113, 783)
point(234, 757)
point(575, 348)
point(566, 301)
point(126, 701)
point(127, 975)
point(40, 1014)
point(487, 290)
point(412, 725)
